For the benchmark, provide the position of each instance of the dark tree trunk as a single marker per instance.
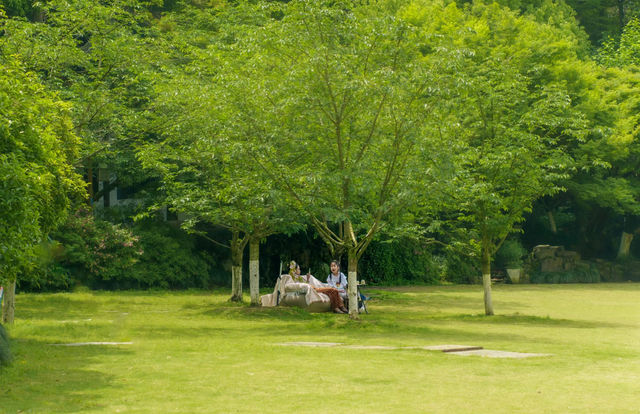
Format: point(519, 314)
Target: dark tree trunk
point(9, 303)
point(237, 248)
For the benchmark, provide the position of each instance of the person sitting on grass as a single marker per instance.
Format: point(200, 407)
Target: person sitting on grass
point(337, 303)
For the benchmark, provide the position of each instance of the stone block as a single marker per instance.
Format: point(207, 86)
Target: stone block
point(552, 264)
point(545, 251)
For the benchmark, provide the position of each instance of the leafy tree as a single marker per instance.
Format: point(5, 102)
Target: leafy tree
point(604, 18)
point(615, 190)
point(102, 57)
point(624, 52)
point(37, 148)
point(335, 94)
point(507, 115)
point(22, 8)
point(205, 168)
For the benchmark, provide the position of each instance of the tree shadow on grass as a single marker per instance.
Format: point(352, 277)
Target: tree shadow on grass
point(55, 379)
point(54, 307)
point(518, 319)
point(296, 322)
point(256, 312)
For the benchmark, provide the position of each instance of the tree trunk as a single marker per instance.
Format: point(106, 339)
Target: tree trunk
point(625, 245)
point(254, 271)
point(90, 184)
point(552, 222)
point(621, 15)
point(237, 247)
point(9, 303)
point(352, 283)
point(38, 15)
point(486, 280)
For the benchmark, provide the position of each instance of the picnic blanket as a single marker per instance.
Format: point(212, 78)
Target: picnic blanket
point(287, 292)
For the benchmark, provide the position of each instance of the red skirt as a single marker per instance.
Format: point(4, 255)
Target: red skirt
point(334, 296)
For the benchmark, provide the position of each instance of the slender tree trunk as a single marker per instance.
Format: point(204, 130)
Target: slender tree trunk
point(90, 184)
point(352, 283)
point(9, 304)
point(38, 15)
point(625, 245)
point(237, 247)
point(621, 15)
point(254, 271)
point(486, 280)
point(552, 222)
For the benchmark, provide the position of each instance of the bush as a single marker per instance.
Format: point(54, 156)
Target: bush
point(170, 259)
point(97, 253)
point(102, 255)
point(583, 273)
point(460, 268)
point(510, 255)
point(46, 277)
point(399, 262)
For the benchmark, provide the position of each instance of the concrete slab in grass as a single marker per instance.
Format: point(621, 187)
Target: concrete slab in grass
point(313, 344)
point(93, 343)
point(498, 354)
point(450, 348)
point(464, 350)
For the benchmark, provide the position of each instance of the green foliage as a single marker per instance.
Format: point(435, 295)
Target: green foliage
point(624, 51)
point(37, 147)
point(510, 254)
point(21, 8)
point(97, 253)
point(503, 120)
point(170, 259)
point(46, 277)
point(556, 13)
point(5, 347)
point(102, 255)
point(581, 274)
point(399, 262)
point(329, 107)
point(98, 57)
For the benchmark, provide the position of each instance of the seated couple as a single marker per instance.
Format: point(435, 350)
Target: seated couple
point(335, 288)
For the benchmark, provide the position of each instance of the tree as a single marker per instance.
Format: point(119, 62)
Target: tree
point(335, 97)
point(616, 189)
point(104, 58)
point(625, 51)
point(37, 148)
point(210, 181)
point(505, 116)
point(199, 146)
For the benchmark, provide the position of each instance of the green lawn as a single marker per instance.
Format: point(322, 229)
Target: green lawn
point(193, 352)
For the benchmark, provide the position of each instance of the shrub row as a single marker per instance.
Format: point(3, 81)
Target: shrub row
point(96, 253)
point(101, 255)
point(581, 274)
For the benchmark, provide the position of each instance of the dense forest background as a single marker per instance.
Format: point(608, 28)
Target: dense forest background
point(499, 127)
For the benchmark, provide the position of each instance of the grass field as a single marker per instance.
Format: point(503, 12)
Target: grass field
point(194, 352)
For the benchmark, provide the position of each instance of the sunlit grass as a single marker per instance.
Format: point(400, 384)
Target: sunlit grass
point(194, 352)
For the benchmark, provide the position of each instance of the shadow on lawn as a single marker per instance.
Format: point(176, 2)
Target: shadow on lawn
point(55, 379)
point(518, 319)
point(54, 307)
point(392, 318)
point(283, 327)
